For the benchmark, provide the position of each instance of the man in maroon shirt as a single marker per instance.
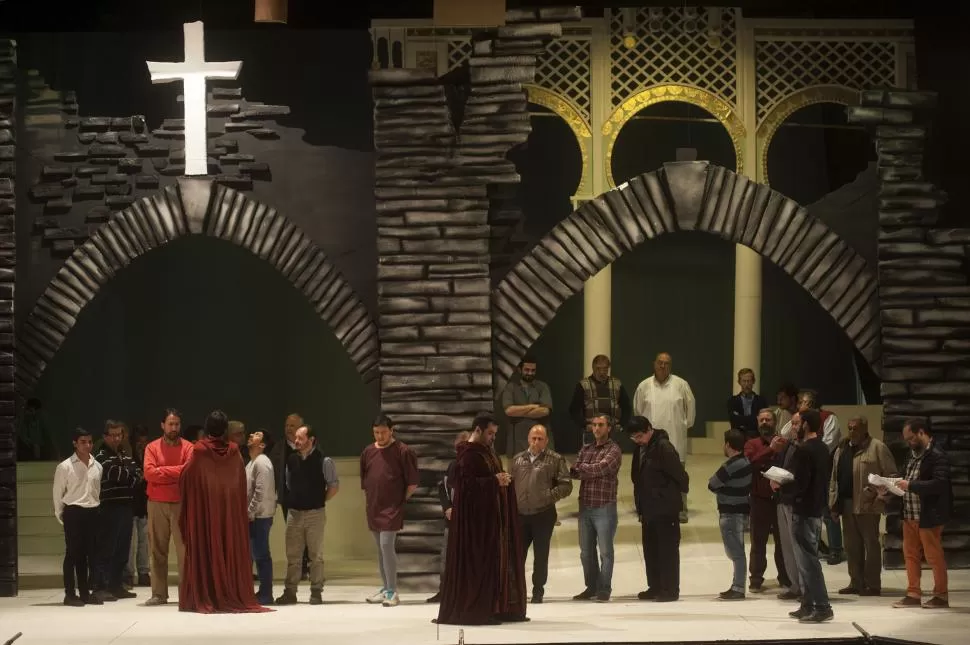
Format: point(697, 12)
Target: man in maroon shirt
point(764, 506)
point(389, 476)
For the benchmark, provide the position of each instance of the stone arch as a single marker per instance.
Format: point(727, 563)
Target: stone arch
point(571, 114)
point(792, 103)
point(193, 207)
point(684, 196)
point(716, 106)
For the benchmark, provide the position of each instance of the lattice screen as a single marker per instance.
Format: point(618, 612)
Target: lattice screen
point(565, 69)
point(786, 66)
point(678, 51)
point(458, 52)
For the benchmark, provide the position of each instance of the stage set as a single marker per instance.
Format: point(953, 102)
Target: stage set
point(192, 215)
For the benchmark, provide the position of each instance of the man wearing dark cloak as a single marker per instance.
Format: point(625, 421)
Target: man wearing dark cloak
point(217, 571)
point(484, 579)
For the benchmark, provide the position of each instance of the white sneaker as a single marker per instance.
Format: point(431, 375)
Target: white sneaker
point(391, 599)
point(377, 598)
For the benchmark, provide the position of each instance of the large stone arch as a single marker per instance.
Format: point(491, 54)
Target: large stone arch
point(193, 207)
point(684, 196)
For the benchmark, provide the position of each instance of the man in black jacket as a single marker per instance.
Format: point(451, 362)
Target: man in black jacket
point(812, 469)
point(659, 483)
point(120, 475)
point(743, 407)
point(446, 493)
point(926, 508)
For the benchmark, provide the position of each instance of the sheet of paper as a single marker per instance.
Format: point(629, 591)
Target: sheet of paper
point(889, 483)
point(779, 475)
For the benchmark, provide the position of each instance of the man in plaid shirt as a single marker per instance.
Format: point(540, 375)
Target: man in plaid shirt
point(596, 468)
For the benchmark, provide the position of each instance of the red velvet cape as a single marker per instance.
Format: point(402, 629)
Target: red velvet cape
point(217, 572)
point(484, 576)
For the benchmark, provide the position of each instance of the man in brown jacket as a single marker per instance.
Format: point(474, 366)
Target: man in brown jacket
point(541, 479)
point(856, 501)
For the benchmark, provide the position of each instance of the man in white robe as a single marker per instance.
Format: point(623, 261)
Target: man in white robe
point(667, 401)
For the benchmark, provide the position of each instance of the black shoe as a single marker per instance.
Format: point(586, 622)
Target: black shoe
point(92, 600)
point(731, 594)
point(122, 593)
point(836, 557)
point(537, 595)
point(73, 601)
point(104, 596)
point(649, 594)
point(588, 594)
point(789, 595)
point(800, 613)
point(316, 597)
point(435, 599)
point(756, 586)
point(602, 597)
point(870, 592)
point(288, 598)
point(818, 616)
point(849, 591)
point(666, 598)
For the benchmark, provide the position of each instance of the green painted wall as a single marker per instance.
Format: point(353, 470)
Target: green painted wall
point(202, 324)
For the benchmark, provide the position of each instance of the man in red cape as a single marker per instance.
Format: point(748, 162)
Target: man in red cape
point(217, 572)
point(484, 580)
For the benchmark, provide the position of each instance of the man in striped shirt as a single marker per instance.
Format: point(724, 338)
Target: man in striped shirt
point(732, 485)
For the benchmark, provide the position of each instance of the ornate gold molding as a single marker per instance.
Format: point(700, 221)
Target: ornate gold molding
point(793, 103)
point(716, 106)
point(573, 118)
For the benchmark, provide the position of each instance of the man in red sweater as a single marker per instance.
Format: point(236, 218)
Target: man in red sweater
point(164, 459)
point(764, 509)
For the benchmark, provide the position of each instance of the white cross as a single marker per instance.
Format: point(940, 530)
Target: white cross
point(193, 72)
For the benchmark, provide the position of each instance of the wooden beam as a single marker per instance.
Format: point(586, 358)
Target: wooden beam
point(469, 13)
point(271, 11)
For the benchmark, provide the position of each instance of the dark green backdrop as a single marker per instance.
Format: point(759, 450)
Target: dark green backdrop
point(202, 324)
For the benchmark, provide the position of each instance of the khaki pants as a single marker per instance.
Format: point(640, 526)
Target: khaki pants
point(928, 542)
point(304, 530)
point(163, 525)
point(863, 549)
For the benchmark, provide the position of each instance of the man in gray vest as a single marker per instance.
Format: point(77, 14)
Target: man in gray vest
point(599, 393)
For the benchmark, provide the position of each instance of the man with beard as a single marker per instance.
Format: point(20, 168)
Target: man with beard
point(744, 407)
point(764, 508)
point(812, 469)
point(599, 393)
point(926, 508)
point(215, 527)
point(784, 449)
point(279, 455)
point(485, 572)
point(526, 401)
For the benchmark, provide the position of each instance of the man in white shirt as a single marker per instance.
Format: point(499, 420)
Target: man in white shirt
point(77, 495)
point(261, 487)
point(668, 402)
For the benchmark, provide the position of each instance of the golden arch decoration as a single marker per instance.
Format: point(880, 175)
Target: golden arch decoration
point(718, 107)
point(792, 103)
point(569, 113)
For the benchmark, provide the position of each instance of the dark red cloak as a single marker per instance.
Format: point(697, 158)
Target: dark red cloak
point(484, 578)
point(217, 571)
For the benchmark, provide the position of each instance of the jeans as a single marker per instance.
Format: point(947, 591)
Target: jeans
point(732, 534)
point(387, 558)
point(114, 543)
point(597, 528)
point(806, 531)
point(537, 533)
point(138, 554)
point(259, 548)
point(833, 531)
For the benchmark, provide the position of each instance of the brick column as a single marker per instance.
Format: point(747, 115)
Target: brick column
point(924, 292)
point(8, 267)
point(441, 146)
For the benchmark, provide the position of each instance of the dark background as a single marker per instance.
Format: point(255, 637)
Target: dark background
point(201, 324)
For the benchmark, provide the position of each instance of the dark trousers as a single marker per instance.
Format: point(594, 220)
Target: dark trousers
point(764, 522)
point(661, 554)
point(259, 546)
point(114, 544)
point(862, 548)
point(537, 532)
point(80, 534)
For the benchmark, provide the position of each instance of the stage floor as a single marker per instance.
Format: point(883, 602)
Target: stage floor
point(345, 619)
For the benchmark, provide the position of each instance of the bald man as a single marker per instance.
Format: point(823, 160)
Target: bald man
point(667, 402)
point(279, 455)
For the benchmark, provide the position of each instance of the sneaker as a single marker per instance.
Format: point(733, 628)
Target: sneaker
point(649, 594)
point(789, 595)
point(800, 613)
point(849, 591)
point(818, 616)
point(908, 601)
point(391, 599)
point(587, 594)
point(316, 597)
point(156, 601)
point(936, 602)
point(731, 594)
point(122, 594)
point(377, 598)
point(435, 599)
point(73, 601)
point(288, 597)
